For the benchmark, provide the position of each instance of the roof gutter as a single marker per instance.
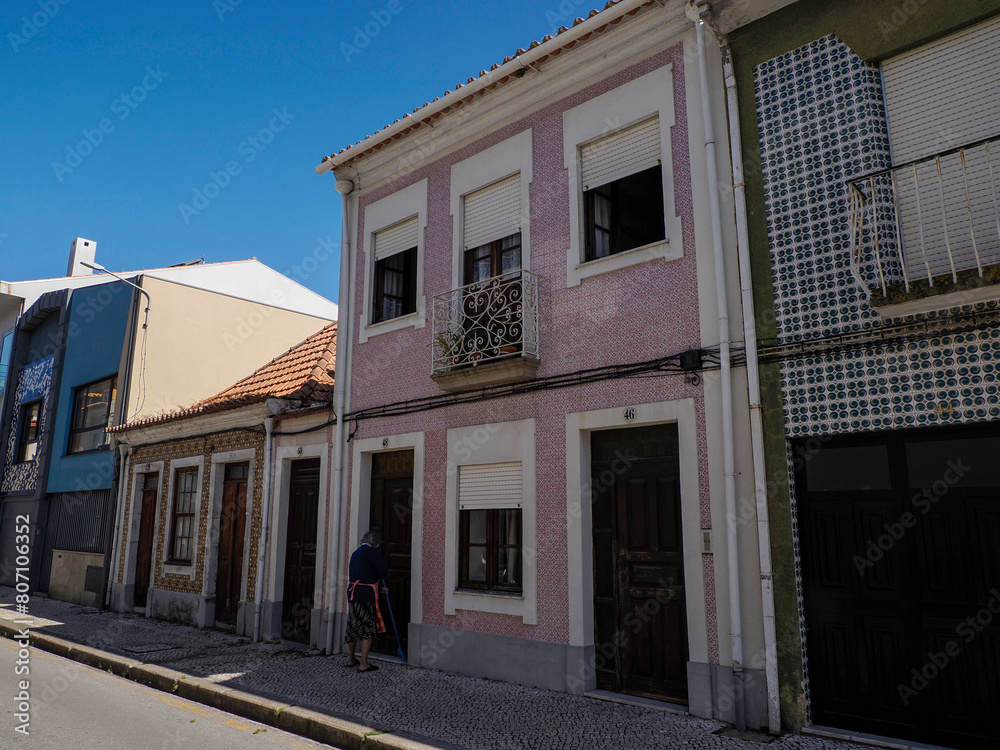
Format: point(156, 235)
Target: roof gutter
point(464, 91)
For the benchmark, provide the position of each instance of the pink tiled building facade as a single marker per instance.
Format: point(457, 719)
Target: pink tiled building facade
point(533, 379)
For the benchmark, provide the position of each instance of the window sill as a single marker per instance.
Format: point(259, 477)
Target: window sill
point(410, 320)
point(102, 449)
point(486, 374)
point(519, 596)
point(635, 256)
point(178, 569)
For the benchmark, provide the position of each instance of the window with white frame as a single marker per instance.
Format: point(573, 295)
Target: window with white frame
point(617, 150)
point(622, 190)
point(393, 244)
point(490, 499)
point(395, 282)
point(183, 532)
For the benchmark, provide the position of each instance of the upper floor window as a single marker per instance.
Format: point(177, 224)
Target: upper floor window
point(31, 417)
point(623, 190)
point(93, 411)
point(395, 283)
point(491, 229)
point(495, 258)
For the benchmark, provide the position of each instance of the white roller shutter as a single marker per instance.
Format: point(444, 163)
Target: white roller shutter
point(396, 239)
point(945, 94)
point(492, 213)
point(484, 486)
point(621, 154)
point(939, 97)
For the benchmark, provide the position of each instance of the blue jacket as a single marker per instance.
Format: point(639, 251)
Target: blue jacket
point(367, 566)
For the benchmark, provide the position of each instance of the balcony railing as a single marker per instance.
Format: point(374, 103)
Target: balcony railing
point(928, 227)
point(486, 321)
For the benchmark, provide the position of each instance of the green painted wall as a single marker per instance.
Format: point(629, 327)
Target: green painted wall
point(875, 29)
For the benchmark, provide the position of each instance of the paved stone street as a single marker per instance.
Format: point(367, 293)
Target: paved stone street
point(465, 711)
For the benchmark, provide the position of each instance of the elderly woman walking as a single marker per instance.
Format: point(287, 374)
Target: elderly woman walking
point(364, 619)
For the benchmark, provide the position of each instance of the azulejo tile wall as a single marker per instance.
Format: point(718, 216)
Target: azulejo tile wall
point(33, 382)
point(822, 122)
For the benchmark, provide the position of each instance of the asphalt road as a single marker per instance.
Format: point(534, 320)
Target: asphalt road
point(79, 707)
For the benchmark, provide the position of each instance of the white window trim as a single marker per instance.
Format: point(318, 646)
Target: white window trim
point(274, 576)
point(401, 205)
point(190, 570)
point(516, 154)
point(488, 444)
point(135, 520)
point(579, 425)
point(215, 494)
point(648, 95)
point(361, 483)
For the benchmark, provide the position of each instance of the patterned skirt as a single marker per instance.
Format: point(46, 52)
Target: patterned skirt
point(360, 621)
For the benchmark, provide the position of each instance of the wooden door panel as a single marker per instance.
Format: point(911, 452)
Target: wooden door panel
point(300, 551)
point(232, 528)
point(144, 555)
point(391, 513)
point(639, 603)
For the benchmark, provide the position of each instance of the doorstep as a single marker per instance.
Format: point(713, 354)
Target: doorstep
point(635, 700)
point(867, 739)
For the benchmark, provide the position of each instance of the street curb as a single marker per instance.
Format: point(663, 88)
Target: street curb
point(339, 732)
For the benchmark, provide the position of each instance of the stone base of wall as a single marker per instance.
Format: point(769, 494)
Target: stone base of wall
point(569, 669)
point(122, 597)
point(180, 607)
point(68, 580)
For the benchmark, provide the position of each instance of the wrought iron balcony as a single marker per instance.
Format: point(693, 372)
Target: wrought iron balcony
point(490, 321)
point(926, 235)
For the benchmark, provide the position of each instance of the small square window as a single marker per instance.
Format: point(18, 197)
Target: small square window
point(93, 411)
point(395, 286)
point(624, 214)
point(31, 417)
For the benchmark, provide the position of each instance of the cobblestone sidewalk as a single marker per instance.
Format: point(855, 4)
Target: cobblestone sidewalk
point(466, 711)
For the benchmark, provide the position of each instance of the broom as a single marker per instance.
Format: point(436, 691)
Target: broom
point(392, 617)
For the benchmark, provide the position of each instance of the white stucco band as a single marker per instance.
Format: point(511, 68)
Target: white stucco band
point(403, 204)
point(488, 444)
point(514, 155)
point(579, 425)
point(648, 95)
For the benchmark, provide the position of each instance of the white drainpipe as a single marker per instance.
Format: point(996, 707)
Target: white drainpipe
point(266, 526)
point(729, 463)
point(339, 507)
point(756, 417)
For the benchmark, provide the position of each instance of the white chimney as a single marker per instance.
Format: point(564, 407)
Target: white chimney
point(80, 252)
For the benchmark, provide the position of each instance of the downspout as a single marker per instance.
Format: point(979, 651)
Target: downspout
point(336, 581)
point(753, 385)
point(732, 546)
point(265, 528)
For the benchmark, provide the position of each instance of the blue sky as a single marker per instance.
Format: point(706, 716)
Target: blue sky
point(168, 132)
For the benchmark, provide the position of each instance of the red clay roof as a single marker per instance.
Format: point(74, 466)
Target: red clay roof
point(374, 141)
point(304, 373)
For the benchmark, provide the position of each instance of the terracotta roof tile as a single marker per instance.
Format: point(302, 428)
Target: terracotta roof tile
point(304, 373)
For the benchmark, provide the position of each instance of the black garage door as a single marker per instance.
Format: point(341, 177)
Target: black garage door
point(900, 544)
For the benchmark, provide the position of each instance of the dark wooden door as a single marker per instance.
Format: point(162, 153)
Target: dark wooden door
point(391, 515)
point(232, 527)
point(900, 534)
point(639, 604)
point(144, 553)
point(300, 550)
